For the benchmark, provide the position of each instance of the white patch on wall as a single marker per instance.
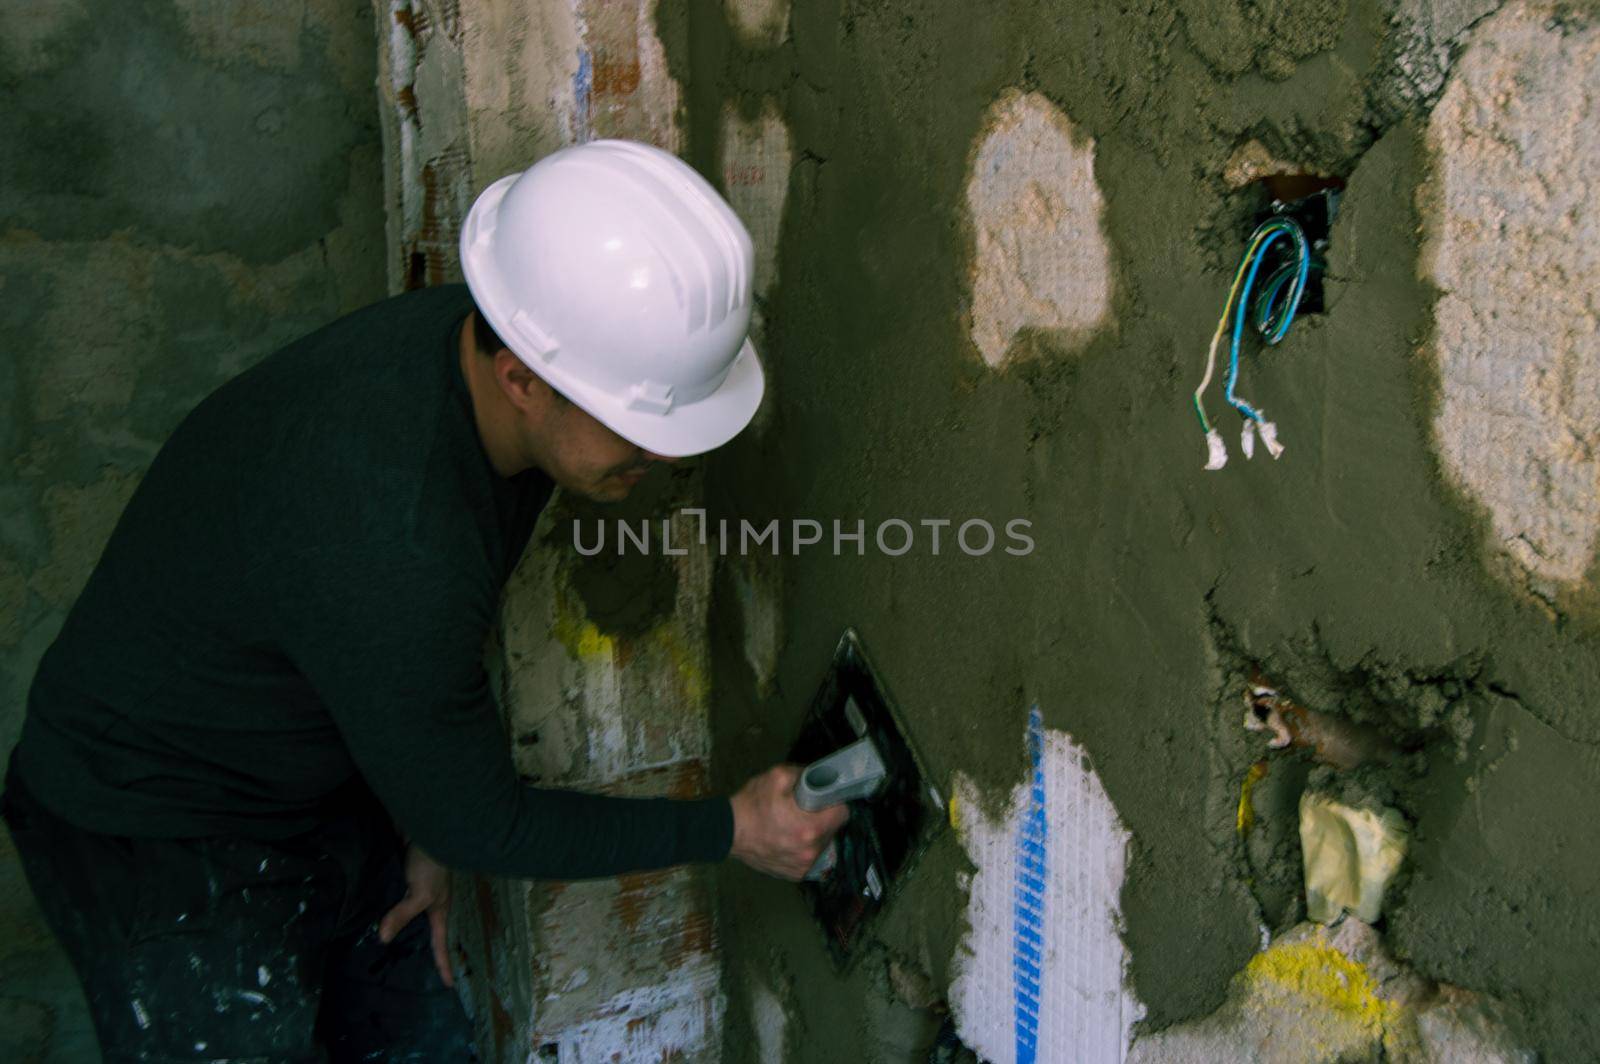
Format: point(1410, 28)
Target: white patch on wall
point(1065, 995)
point(1513, 243)
point(761, 23)
point(1041, 258)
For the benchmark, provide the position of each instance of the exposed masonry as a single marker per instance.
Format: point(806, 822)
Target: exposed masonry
point(1513, 243)
point(1041, 260)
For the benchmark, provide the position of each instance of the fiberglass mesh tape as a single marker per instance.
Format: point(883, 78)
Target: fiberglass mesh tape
point(1044, 978)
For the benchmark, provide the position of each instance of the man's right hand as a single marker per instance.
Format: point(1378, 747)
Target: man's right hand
point(774, 835)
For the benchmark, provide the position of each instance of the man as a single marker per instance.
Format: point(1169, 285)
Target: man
point(275, 671)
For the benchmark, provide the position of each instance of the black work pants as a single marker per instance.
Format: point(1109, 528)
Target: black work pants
point(240, 950)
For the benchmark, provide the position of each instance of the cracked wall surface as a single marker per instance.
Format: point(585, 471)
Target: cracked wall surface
point(1351, 572)
point(188, 187)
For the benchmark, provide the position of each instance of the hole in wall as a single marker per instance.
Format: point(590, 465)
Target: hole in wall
point(1293, 723)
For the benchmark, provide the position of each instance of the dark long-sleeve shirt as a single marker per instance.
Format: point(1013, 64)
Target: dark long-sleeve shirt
point(293, 608)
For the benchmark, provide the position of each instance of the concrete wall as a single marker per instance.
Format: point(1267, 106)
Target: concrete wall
point(1006, 240)
point(187, 186)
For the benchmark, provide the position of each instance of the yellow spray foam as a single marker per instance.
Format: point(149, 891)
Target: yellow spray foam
point(1322, 975)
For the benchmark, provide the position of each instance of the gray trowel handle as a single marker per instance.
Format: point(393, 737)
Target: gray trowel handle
point(852, 772)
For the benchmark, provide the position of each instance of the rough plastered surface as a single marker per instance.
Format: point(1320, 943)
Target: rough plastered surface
point(1083, 1010)
point(1513, 243)
point(1426, 36)
point(1350, 571)
point(1041, 258)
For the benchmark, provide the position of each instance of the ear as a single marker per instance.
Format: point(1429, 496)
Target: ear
point(519, 383)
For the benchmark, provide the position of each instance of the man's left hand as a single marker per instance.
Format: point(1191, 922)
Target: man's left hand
point(427, 891)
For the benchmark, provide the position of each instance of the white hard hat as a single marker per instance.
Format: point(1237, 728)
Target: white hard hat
point(620, 277)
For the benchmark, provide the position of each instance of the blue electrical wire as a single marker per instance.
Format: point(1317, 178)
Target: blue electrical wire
point(1272, 318)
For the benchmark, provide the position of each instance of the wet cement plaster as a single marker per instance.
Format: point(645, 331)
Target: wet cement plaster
point(188, 186)
point(1353, 571)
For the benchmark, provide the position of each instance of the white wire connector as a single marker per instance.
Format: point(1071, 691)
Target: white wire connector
point(1269, 436)
point(1216, 450)
point(1247, 439)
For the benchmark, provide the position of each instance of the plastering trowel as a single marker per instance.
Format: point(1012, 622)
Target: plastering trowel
point(856, 750)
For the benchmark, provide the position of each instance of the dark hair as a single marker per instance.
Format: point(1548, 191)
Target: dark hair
point(489, 343)
point(483, 334)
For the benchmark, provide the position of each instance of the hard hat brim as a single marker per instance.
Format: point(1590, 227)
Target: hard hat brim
point(688, 428)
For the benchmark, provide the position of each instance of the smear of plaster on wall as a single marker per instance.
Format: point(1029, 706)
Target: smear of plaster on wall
point(1513, 243)
point(762, 23)
point(1085, 1012)
point(1042, 260)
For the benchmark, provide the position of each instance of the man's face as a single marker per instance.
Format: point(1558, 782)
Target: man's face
point(585, 457)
